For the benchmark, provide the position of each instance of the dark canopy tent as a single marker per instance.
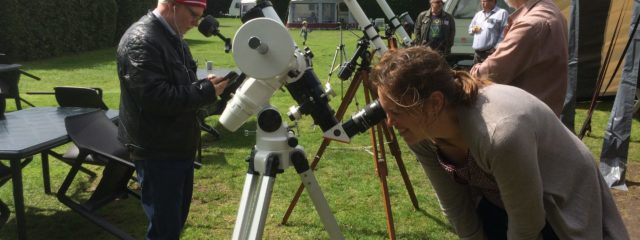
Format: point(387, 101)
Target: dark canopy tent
point(595, 25)
point(588, 25)
point(585, 46)
point(615, 147)
point(598, 33)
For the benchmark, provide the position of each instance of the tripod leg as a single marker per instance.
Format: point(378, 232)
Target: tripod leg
point(247, 206)
point(377, 142)
point(333, 63)
point(395, 151)
point(342, 109)
point(317, 197)
point(255, 200)
point(298, 193)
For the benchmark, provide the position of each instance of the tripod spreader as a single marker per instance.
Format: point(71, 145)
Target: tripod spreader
point(346, 70)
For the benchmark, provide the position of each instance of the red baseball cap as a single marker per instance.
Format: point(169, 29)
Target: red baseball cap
point(195, 3)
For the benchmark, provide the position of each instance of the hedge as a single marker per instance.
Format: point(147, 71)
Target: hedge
point(39, 29)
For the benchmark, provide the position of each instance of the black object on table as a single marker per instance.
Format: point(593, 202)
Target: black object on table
point(32, 131)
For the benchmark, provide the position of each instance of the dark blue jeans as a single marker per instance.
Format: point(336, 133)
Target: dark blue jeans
point(495, 220)
point(167, 186)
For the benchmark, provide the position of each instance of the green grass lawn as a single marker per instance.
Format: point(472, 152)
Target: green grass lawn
point(346, 172)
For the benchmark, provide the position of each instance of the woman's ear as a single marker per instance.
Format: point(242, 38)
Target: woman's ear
point(435, 103)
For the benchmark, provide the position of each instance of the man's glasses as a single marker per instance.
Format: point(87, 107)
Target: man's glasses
point(195, 15)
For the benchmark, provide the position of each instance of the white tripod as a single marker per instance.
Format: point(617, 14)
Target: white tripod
point(276, 149)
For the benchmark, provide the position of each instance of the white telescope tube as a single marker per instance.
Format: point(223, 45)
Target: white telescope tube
point(364, 22)
point(248, 100)
point(406, 40)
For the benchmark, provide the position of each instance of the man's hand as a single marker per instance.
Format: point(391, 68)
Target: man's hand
point(476, 29)
point(219, 83)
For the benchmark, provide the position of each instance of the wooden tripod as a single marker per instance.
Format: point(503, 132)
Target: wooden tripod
point(378, 134)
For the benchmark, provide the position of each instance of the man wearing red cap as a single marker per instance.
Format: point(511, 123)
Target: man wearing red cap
point(160, 94)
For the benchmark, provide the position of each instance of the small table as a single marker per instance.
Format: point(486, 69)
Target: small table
point(28, 132)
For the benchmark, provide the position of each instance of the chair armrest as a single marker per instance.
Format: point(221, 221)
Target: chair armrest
point(110, 156)
point(40, 93)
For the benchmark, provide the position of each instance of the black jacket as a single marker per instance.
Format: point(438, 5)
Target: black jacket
point(159, 94)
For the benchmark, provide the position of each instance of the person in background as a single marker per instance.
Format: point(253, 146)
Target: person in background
point(487, 27)
point(158, 102)
point(501, 169)
point(304, 32)
point(435, 28)
point(533, 54)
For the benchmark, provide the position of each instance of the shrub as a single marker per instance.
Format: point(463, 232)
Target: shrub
point(45, 28)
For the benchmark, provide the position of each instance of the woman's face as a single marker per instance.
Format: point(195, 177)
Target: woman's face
point(411, 123)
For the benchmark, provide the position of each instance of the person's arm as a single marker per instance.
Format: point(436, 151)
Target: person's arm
point(513, 161)
point(417, 30)
point(456, 200)
point(151, 87)
point(472, 24)
point(515, 54)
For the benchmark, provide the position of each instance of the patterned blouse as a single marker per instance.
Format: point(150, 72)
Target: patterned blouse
point(470, 174)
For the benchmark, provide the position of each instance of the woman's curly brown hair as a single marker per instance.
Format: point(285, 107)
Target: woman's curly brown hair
point(410, 75)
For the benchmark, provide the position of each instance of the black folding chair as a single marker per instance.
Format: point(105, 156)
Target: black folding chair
point(79, 97)
point(9, 78)
point(94, 134)
point(71, 96)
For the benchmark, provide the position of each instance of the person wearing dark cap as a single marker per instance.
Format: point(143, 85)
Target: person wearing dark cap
point(159, 97)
